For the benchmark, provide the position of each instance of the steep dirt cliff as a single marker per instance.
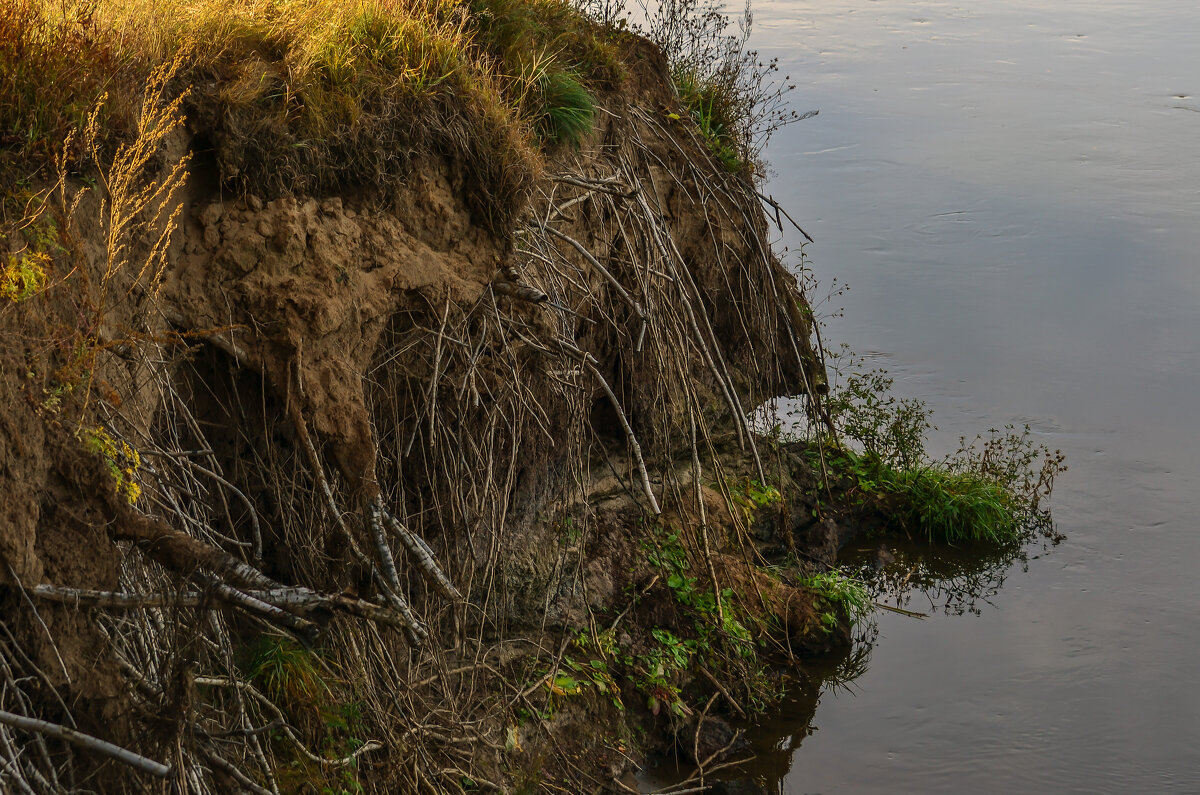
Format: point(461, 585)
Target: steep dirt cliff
point(340, 490)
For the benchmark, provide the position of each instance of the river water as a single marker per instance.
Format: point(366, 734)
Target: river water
point(1011, 189)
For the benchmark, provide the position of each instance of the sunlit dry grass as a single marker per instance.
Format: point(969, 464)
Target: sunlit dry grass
point(327, 60)
point(310, 95)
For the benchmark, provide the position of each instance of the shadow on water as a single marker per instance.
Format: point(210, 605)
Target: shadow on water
point(774, 738)
point(926, 578)
point(911, 577)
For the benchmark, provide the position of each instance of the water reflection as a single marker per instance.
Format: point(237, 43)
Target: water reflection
point(1006, 189)
point(776, 737)
point(920, 578)
point(912, 578)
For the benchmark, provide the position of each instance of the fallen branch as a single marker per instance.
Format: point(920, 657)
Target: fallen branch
point(87, 741)
point(779, 209)
point(421, 553)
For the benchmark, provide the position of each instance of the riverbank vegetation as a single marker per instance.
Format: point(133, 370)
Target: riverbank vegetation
point(319, 95)
point(374, 397)
point(991, 489)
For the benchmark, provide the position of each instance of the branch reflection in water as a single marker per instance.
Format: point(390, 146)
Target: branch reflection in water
point(914, 577)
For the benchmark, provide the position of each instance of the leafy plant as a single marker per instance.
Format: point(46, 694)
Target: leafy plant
point(838, 595)
point(24, 275)
point(665, 551)
point(750, 496)
point(660, 667)
point(593, 673)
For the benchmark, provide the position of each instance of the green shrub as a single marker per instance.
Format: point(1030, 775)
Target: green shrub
point(989, 490)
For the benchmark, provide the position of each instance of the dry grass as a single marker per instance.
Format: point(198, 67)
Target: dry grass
point(315, 95)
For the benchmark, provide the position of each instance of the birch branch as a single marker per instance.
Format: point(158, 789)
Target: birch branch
point(87, 741)
point(422, 556)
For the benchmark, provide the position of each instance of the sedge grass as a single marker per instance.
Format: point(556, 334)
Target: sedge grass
point(954, 506)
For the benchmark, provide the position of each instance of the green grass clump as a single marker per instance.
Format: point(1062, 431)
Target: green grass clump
point(553, 59)
point(989, 490)
point(954, 506)
point(838, 596)
point(566, 109)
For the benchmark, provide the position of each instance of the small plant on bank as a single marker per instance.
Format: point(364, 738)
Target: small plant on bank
point(23, 276)
point(989, 490)
point(735, 99)
point(120, 458)
point(838, 596)
point(954, 506)
point(887, 428)
point(750, 495)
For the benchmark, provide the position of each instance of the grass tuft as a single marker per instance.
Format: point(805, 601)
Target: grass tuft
point(53, 69)
point(955, 506)
point(567, 109)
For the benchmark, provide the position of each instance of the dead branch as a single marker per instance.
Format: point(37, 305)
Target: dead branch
point(422, 555)
point(87, 741)
point(294, 600)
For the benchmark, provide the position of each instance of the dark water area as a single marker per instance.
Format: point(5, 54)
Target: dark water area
point(1011, 190)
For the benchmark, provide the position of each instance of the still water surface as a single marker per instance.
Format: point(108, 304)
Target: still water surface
point(1012, 191)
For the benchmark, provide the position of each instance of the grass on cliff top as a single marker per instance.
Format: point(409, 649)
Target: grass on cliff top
point(311, 95)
